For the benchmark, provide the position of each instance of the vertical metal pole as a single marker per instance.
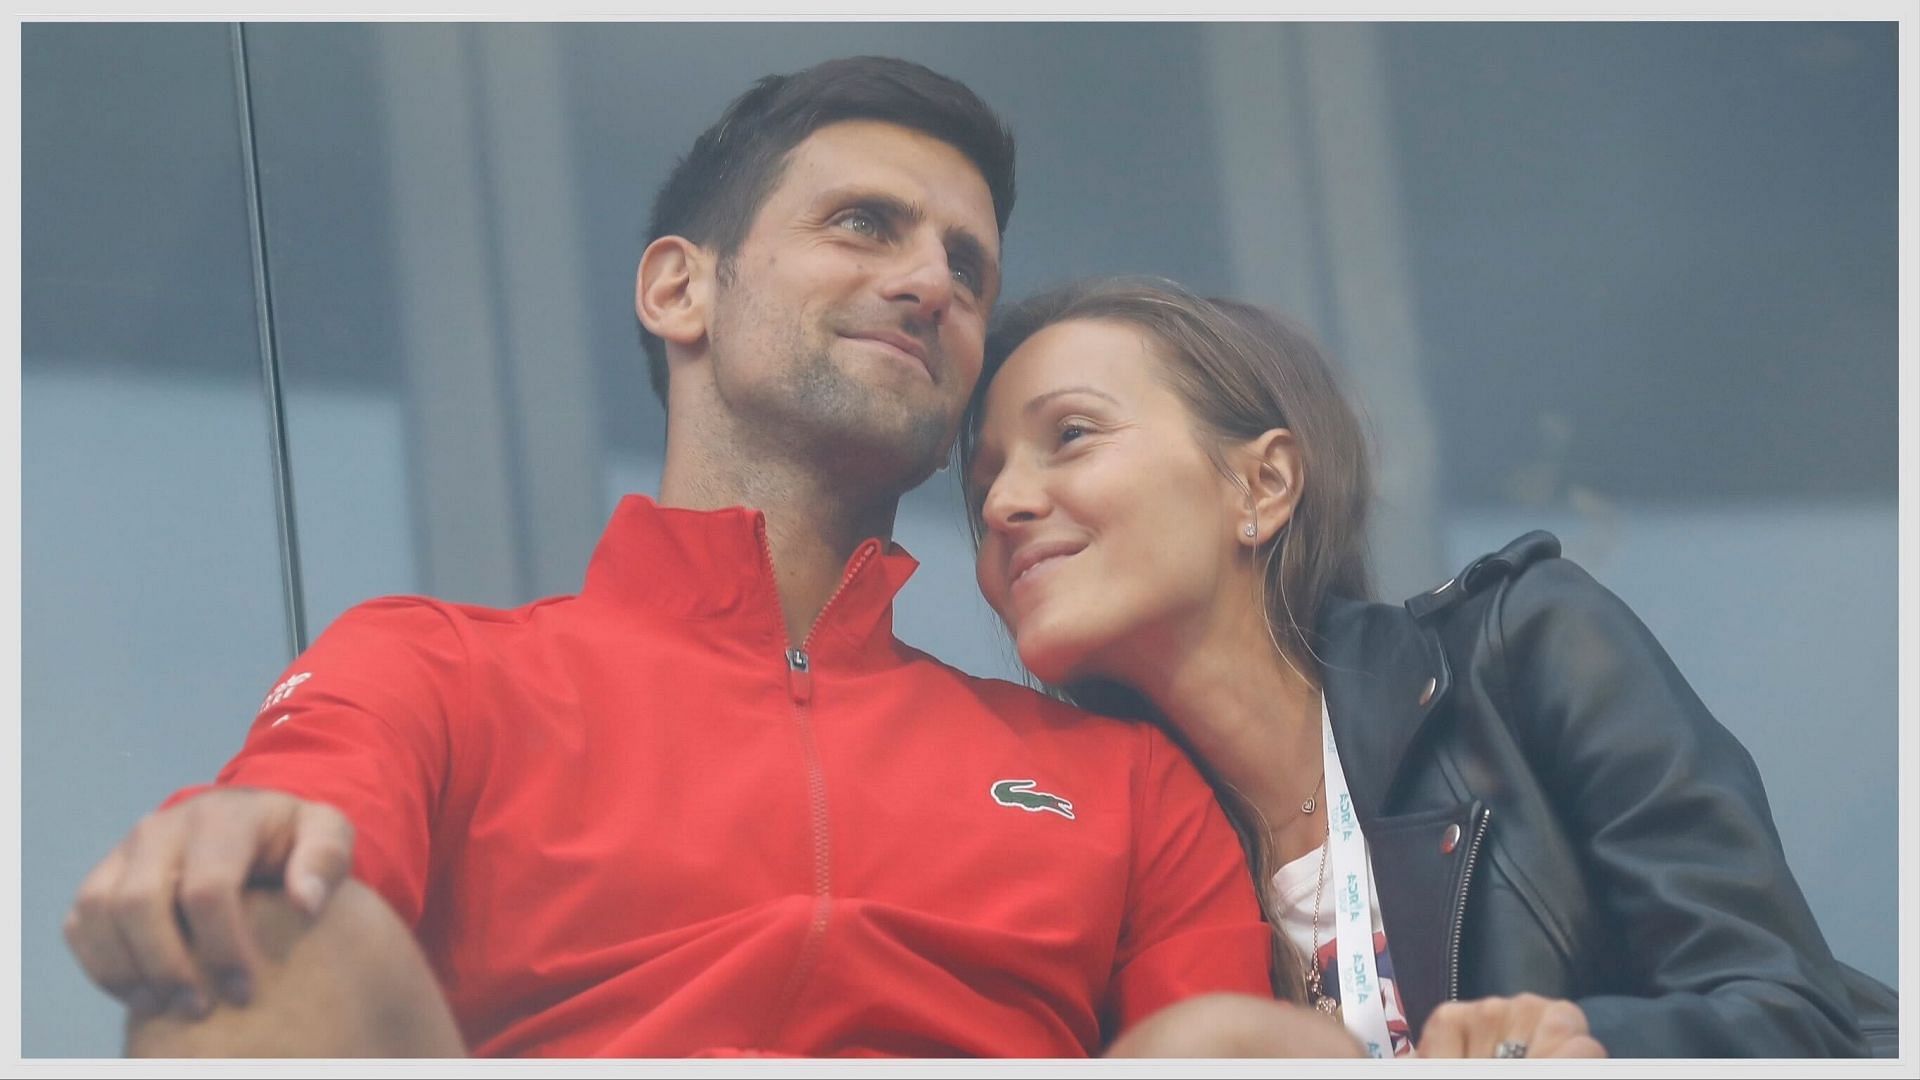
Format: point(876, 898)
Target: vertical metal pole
point(269, 353)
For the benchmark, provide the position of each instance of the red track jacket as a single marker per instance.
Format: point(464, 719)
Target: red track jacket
point(640, 822)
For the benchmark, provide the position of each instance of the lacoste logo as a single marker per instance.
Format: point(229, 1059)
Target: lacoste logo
point(1020, 793)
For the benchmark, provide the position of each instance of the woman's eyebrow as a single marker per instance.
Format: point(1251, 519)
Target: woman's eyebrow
point(1038, 402)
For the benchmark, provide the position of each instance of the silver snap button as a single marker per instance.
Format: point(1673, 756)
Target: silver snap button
point(1450, 840)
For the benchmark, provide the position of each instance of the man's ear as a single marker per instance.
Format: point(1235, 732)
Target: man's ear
point(674, 289)
point(1272, 478)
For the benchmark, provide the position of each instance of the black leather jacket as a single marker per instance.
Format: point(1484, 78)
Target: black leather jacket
point(1552, 810)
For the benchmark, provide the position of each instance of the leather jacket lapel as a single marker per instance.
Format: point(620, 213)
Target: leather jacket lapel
point(1384, 676)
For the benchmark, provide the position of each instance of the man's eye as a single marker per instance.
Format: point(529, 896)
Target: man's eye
point(967, 277)
point(862, 222)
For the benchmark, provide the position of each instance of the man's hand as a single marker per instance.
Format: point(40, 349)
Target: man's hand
point(1235, 1026)
point(1527, 1025)
point(158, 923)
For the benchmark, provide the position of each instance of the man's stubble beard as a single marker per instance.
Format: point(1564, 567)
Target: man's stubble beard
point(813, 410)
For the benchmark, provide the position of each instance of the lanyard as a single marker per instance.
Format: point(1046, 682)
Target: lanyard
point(1361, 1005)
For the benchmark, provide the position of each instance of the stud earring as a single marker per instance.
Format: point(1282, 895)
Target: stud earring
point(1248, 529)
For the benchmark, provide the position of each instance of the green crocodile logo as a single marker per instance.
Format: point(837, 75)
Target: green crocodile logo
point(1020, 793)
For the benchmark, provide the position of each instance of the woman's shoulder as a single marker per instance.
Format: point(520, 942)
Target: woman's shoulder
point(1534, 557)
point(1475, 593)
point(1536, 621)
point(1526, 585)
point(1523, 599)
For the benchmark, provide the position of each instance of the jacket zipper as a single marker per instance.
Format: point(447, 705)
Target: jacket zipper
point(1460, 904)
point(800, 690)
point(799, 665)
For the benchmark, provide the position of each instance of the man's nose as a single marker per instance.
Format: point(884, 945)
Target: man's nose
point(923, 279)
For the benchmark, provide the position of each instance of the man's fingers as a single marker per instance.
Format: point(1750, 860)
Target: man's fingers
point(95, 941)
point(161, 922)
point(321, 856)
point(142, 907)
point(220, 853)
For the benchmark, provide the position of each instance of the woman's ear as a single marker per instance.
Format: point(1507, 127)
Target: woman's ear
point(1272, 478)
point(672, 291)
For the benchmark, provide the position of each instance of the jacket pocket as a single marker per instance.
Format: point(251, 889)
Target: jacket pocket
point(1421, 867)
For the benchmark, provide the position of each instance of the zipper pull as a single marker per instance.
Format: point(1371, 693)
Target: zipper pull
point(799, 677)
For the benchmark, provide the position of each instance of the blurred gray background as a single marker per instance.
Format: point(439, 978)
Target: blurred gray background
point(1634, 283)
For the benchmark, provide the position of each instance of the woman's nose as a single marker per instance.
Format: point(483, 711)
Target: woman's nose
point(1014, 498)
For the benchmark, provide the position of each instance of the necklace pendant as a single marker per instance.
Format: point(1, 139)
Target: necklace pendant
point(1320, 1001)
point(1307, 806)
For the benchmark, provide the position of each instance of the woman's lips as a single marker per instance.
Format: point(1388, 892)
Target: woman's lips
point(1035, 567)
point(1046, 562)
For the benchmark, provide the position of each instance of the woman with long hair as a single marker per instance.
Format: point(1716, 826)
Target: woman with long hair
point(1492, 821)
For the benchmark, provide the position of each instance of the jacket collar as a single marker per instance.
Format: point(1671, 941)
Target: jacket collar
point(1377, 660)
point(715, 564)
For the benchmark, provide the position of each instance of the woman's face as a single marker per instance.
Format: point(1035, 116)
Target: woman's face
point(1109, 534)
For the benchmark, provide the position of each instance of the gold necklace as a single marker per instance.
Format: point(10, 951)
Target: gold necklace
point(1315, 997)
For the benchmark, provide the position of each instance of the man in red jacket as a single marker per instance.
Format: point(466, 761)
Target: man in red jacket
point(711, 805)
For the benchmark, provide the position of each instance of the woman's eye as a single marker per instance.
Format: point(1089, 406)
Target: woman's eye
point(1070, 431)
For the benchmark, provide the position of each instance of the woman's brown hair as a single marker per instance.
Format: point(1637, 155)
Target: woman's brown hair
point(1241, 371)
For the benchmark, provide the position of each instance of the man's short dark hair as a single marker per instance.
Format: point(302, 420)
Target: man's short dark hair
point(715, 192)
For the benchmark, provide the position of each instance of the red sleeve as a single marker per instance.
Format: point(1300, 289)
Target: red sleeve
point(1193, 924)
point(359, 721)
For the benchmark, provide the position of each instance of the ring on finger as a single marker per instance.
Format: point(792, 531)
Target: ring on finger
point(1510, 1048)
